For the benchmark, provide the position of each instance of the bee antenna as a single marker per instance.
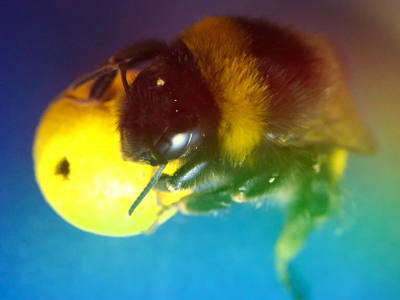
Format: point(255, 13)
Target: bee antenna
point(153, 180)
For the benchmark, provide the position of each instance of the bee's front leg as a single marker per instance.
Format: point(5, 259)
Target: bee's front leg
point(187, 176)
point(123, 60)
point(210, 192)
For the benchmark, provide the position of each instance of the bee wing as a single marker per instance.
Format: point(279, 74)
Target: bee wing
point(337, 124)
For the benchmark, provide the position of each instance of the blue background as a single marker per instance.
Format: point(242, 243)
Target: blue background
point(44, 45)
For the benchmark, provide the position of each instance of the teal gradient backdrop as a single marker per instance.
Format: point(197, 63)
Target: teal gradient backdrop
point(46, 44)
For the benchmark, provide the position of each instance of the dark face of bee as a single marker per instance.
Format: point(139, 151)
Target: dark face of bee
point(163, 117)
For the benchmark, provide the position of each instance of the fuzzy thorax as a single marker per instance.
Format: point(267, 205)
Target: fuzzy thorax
point(231, 72)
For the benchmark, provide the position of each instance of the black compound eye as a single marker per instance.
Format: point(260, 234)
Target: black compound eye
point(176, 138)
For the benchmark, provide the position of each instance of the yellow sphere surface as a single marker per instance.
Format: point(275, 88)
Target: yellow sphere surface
point(80, 172)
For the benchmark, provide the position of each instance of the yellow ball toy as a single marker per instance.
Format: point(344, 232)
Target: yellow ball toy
point(80, 172)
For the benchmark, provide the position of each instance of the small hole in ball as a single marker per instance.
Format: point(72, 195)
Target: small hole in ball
point(62, 168)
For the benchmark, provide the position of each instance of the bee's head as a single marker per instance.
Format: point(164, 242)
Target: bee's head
point(163, 119)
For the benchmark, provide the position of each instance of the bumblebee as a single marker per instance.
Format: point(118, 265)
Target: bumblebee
point(247, 108)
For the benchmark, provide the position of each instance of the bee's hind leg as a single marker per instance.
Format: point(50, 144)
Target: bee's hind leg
point(316, 199)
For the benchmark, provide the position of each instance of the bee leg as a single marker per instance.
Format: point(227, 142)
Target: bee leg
point(256, 185)
point(187, 176)
point(206, 201)
point(128, 57)
point(317, 198)
point(101, 85)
